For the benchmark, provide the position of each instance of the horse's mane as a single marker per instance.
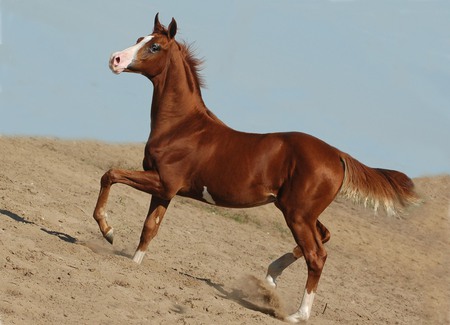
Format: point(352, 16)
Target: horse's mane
point(194, 63)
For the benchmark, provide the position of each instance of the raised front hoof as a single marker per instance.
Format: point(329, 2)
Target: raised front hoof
point(109, 236)
point(297, 318)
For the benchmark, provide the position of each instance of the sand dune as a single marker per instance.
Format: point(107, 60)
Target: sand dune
point(206, 263)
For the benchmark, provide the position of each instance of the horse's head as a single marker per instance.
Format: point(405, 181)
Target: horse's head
point(150, 53)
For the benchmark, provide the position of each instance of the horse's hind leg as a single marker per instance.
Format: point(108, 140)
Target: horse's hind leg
point(279, 265)
point(154, 218)
point(309, 240)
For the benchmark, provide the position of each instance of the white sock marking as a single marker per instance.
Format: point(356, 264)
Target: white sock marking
point(138, 256)
point(208, 198)
point(304, 311)
point(271, 281)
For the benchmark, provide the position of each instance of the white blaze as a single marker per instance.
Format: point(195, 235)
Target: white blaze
point(119, 61)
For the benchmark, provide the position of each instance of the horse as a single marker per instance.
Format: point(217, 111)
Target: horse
point(190, 152)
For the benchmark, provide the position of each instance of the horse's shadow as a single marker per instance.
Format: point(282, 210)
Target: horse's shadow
point(16, 217)
point(254, 295)
point(63, 236)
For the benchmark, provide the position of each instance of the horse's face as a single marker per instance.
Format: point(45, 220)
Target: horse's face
point(150, 53)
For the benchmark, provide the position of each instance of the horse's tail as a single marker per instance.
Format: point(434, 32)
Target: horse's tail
point(375, 186)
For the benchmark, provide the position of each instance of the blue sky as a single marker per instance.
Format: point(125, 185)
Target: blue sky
point(369, 77)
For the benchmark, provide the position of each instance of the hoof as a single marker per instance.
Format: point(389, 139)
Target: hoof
point(296, 318)
point(109, 236)
point(301, 316)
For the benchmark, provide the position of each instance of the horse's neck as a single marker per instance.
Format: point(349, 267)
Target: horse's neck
point(176, 97)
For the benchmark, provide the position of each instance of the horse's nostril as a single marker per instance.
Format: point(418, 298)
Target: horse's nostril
point(117, 59)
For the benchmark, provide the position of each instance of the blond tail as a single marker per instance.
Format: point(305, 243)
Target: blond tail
point(375, 186)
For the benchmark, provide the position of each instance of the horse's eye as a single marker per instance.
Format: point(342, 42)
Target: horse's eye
point(155, 47)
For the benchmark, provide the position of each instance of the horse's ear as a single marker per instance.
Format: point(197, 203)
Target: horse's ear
point(172, 28)
point(157, 27)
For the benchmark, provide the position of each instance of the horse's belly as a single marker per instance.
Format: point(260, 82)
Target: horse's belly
point(232, 199)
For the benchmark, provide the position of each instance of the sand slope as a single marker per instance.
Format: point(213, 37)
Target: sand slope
point(205, 264)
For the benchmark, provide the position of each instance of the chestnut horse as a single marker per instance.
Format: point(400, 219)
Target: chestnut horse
point(191, 153)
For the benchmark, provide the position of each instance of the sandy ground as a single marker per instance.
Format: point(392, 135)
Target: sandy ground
point(206, 263)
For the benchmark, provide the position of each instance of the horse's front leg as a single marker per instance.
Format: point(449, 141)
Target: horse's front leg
point(158, 208)
point(146, 181)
